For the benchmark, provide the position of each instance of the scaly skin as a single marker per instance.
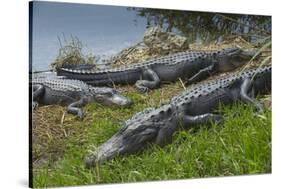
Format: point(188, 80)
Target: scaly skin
point(191, 66)
point(74, 93)
point(192, 107)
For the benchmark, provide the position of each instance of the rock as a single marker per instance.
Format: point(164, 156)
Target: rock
point(155, 43)
point(164, 42)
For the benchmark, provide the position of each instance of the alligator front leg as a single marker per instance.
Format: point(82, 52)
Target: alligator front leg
point(165, 134)
point(150, 81)
point(202, 74)
point(246, 89)
point(73, 108)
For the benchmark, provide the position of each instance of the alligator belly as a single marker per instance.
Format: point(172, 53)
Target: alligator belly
point(168, 74)
point(174, 72)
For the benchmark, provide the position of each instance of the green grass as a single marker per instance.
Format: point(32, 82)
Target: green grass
point(241, 145)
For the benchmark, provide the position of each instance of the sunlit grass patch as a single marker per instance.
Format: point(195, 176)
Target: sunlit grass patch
point(240, 145)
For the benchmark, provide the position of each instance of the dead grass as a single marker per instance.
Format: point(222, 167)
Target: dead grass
point(52, 126)
point(71, 52)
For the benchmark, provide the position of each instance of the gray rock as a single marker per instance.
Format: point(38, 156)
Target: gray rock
point(164, 42)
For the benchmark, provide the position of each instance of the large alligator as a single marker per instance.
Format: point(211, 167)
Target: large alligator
point(192, 107)
point(190, 66)
point(74, 93)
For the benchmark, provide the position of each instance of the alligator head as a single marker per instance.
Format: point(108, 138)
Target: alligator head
point(143, 128)
point(109, 96)
point(231, 58)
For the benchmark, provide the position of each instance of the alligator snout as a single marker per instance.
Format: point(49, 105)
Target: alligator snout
point(248, 54)
point(233, 58)
point(132, 137)
point(121, 100)
point(106, 151)
point(110, 97)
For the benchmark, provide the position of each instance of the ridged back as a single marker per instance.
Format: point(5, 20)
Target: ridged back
point(164, 60)
point(216, 84)
point(62, 84)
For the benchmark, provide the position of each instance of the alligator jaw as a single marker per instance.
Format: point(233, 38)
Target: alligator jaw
point(233, 58)
point(142, 129)
point(110, 97)
point(132, 137)
point(113, 100)
point(248, 54)
point(106, 151)
point(121, 100)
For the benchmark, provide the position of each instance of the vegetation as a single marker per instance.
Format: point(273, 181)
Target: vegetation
point(207, 26)
point(241, 145)
point(71, 52)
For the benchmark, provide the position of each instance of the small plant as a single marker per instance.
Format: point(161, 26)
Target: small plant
point(71, 52)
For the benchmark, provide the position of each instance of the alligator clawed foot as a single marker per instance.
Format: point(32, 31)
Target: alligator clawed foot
point(217, 119)
point(34, 105)
point(259, 108)
point(81, 114)
point(140, 85)
point(143, 89)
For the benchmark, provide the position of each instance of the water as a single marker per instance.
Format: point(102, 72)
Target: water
point(104, 30)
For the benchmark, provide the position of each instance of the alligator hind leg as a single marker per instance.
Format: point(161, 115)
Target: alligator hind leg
point(202, 74)
point(73, 108)
point(246, 89)
point(189, 121)
point(151, 81)
point(38, 90)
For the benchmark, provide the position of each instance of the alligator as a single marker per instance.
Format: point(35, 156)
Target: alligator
point(190, 66)
point(191, 108)
point(74, 93)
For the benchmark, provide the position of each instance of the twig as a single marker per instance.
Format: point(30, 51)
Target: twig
point(131, 49)
point(64, 38)
point(59, 41)
point(61, 124)
point(261, 64)
point(182, 84)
